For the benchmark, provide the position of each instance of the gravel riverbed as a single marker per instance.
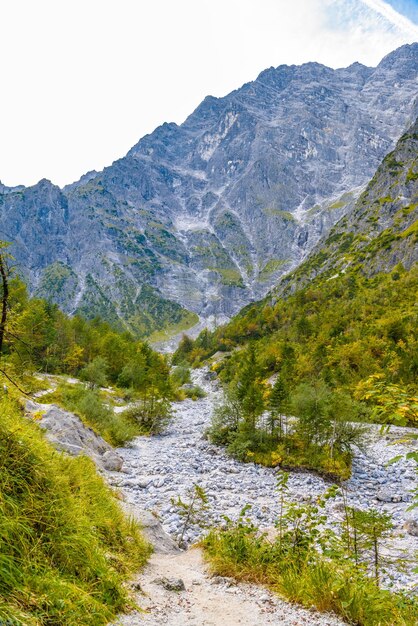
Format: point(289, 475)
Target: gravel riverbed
point(159, 468)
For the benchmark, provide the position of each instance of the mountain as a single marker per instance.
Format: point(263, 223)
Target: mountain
point(382, 230)
point(348, 314)
point(205, 217)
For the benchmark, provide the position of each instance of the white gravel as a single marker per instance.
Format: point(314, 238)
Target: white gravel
point(160, 468)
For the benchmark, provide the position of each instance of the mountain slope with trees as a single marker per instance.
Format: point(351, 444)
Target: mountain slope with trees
point(339, 334)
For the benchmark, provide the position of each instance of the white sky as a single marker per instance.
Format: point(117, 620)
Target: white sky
point(83, 80)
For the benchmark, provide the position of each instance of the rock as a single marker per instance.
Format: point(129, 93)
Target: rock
point(112, 461)
point(68, 433)
point(383, 495)
point(170, 584)
point(153, 530)
point(411, 527)
point(265, 598)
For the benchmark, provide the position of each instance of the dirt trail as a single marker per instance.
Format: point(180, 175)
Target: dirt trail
point(209, 601)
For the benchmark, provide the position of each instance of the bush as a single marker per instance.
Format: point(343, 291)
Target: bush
point(115, 428)
point(194, 392)
point(321, 440)
point(151, 416)
point(180, 375)
point(293, 566)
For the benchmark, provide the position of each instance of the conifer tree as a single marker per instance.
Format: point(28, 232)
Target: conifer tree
point(277, 400)
point(249, 390)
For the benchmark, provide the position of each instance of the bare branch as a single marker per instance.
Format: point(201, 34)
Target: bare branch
point(14, 383)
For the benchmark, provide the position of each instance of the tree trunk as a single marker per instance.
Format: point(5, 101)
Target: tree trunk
point(5, 301)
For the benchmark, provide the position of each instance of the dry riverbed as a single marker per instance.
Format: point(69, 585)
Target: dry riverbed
point(160, 468)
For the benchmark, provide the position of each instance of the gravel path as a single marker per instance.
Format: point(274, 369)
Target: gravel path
point(209, 601)
point(160, 468)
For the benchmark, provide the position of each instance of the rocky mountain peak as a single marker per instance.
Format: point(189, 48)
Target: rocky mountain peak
point(210, 213)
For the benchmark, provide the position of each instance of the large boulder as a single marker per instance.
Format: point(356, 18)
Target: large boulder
point(112, 461)
point(153, 530)
point(67, 432)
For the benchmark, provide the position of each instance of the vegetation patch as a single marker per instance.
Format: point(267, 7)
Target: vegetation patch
point(270, 268)
point(229, 276)
point(312, 566)
point(252, 425)
point(189, 319)
point(337, 332)
point(284, 215)
point(66, 548)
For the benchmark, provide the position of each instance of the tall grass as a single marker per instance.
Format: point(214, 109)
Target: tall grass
point(116, 428)
point(308, 578)
point(65, 546)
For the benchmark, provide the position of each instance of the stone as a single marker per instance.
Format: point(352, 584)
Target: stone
point(411, 527)
point(384, 495)
point(153, 530)
point(68, 433)
point(171, 584)
point(112, 461)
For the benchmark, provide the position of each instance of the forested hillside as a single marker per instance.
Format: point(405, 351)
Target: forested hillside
point(340, 330)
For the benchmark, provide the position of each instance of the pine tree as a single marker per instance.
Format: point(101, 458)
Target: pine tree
point(249, 390)
point(277, 401)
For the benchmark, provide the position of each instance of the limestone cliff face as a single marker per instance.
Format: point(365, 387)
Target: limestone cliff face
point(381, 232)
point(207, 215)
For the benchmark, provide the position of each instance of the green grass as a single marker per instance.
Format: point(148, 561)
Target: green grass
point(270, 267)
point(307, 578)
point(115, 428)
point(189, 320)
point(66, 548)
point(229, 276)
point(292, 455)
point(284, 215)
point(413, 229)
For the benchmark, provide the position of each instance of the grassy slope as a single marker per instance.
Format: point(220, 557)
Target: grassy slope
point(65, 546)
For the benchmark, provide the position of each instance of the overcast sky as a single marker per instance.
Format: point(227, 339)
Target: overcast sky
point(83, 80)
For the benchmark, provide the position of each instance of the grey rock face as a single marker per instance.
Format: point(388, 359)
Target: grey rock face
point(212, 212)
point(380, 231)
point(68, 433)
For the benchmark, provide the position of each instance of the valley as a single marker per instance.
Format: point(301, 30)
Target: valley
point(200, 219)
point(209, 350)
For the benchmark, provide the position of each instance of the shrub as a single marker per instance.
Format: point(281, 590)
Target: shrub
point(151, 416)
point(306, 565)
point(194, 392)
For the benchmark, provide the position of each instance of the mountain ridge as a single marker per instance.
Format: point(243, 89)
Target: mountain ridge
point(209, 214)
